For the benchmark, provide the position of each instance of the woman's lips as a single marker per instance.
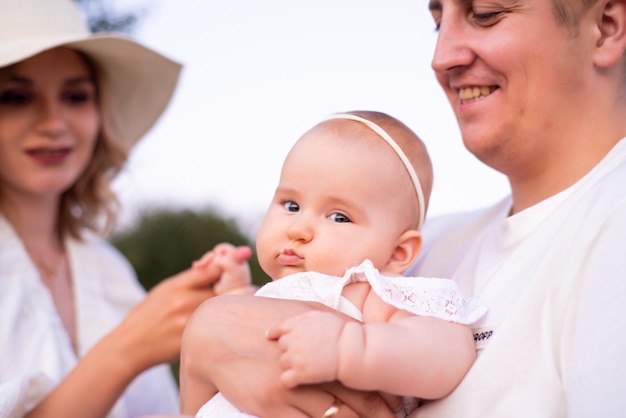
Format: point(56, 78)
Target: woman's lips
point(49, 155)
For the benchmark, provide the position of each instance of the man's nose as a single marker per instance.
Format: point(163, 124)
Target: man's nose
point(452, 50)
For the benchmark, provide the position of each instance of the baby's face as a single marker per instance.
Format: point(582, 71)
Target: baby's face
point(339, 201)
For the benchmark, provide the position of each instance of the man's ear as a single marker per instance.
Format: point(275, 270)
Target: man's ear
point(407, 249)
point(610, 19)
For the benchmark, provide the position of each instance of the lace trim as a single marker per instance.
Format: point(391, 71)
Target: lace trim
point(439, 298)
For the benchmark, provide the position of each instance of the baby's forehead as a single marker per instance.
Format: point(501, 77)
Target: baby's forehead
point(337, 155)
point(338, 132)
point(349, 140)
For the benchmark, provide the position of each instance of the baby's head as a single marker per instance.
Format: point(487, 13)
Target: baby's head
point(407, 147)
point(345, 195)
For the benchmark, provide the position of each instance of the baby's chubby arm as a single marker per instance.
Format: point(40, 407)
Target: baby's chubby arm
point(235, 277)
point(409, 355)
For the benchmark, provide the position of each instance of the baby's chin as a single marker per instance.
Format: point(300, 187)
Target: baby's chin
point(284, 271)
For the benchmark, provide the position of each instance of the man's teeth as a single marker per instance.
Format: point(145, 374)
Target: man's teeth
point(473, 93)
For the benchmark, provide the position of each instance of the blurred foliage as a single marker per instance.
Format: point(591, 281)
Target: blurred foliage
point(102, 17)
point(165, 242)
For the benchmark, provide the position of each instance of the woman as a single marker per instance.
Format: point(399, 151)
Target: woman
point(78, 336)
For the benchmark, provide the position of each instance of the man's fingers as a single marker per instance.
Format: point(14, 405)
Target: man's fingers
point(363, 404)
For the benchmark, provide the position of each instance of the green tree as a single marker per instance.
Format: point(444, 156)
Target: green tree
point(165, 242)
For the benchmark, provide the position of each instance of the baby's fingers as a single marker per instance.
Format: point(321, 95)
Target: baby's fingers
point(283, 327)
point(276, 331)
point(242, 253)
point(289, 379)
point(286, 326)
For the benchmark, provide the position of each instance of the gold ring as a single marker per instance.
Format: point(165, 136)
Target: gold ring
point(333, 410)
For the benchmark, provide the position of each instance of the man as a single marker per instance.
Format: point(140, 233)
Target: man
point(539, 91)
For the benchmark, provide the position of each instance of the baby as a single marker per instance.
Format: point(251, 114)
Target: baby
point(341, 229)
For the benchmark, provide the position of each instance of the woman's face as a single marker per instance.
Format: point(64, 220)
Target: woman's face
point(49, 123)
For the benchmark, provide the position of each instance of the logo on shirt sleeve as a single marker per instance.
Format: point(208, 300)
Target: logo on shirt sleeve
point(482, 335)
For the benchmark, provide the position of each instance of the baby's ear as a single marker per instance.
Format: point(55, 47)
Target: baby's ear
point(407, 249)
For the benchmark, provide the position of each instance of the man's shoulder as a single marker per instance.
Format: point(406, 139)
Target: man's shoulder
point(447, 237)
point(464, 223)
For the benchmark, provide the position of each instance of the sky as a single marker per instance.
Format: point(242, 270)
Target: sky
point(259, 73)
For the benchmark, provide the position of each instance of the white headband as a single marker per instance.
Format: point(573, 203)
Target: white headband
point(394, 145)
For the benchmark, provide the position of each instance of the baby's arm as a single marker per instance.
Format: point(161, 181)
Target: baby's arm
point(235, 277)
point(409, 355)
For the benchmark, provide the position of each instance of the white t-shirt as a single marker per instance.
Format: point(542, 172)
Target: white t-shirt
point(554, 278)
point(35, 350)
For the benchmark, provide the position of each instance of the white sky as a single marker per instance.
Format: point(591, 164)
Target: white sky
point(258, 73)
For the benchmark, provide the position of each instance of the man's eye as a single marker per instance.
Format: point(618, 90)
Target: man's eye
point(339, 218)
point(486, 19)
point(14, 98)
point(291, 206)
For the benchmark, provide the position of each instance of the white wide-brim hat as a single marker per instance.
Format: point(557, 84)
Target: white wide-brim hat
point(135, 82)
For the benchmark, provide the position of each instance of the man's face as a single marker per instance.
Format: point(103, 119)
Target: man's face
point(514, 78)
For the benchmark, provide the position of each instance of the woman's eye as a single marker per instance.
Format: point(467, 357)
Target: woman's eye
point(14, 98)
point(339, 218)
point(76, 97)
point(291, 206)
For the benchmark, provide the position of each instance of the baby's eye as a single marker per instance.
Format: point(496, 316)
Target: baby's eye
point(15, 98)
point(291, 206)
point(339, 218)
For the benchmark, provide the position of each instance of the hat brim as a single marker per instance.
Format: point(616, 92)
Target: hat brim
point(135, 83)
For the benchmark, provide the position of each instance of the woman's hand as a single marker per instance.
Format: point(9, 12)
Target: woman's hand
point(152, 331)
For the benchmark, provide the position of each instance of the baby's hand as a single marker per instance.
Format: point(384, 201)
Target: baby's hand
point(232, 261)
point(310, 347)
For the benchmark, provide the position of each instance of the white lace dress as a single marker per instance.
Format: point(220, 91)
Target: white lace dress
point(439, 298)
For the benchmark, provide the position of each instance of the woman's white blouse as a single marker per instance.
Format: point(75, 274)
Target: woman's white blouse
point(35, 350)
